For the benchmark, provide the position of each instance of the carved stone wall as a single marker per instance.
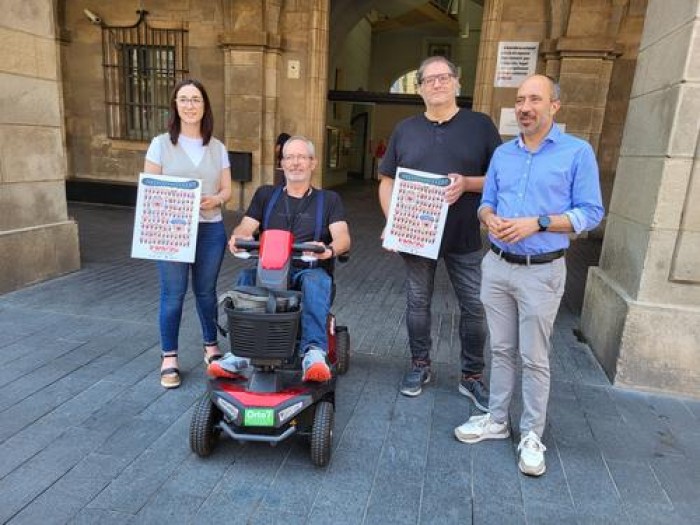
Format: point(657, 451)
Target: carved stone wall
point(642, 305)
point(37, 239)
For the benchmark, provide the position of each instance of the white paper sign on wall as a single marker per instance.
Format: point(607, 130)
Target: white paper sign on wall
point(516, 61)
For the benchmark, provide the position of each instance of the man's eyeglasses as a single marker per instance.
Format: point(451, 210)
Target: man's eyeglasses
point(443, 78)
point(296, 158)
point(184, 101)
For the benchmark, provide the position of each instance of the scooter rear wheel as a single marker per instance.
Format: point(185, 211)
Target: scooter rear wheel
point(322, 434)
point(202, 434)
point(342, 349)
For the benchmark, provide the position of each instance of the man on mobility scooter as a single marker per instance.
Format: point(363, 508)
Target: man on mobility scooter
point(313, 217)
point(270, 391)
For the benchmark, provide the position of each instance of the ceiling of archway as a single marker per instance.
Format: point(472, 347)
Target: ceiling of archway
point(345, 14)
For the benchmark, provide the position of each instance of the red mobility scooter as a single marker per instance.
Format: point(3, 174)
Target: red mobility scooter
point(268, 401)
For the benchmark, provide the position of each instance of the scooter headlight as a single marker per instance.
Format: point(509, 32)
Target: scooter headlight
point(228, 409)
point(289, 412)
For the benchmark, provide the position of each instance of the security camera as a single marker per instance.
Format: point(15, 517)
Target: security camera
point(93, 17)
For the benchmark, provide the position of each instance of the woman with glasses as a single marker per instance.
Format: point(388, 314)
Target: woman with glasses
point(188, 150)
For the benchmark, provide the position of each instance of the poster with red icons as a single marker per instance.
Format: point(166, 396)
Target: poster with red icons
point(417, 213)
point(166, 219)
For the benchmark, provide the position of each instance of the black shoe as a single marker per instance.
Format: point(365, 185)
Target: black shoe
point(413, 381)
point(474, 389)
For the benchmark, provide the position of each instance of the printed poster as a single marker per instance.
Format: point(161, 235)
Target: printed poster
point(417, 213)
point(516, 61)
point(167, 218)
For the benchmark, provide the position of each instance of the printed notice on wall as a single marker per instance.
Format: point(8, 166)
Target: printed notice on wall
point(417, 214)
point(516, 62)
point(167, 218)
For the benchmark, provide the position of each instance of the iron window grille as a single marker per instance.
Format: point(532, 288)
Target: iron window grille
point(141, 67)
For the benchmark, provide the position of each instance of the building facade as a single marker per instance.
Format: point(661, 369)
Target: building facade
point(87, 86)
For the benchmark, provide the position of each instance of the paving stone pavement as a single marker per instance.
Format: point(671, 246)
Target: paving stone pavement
point(87, 435)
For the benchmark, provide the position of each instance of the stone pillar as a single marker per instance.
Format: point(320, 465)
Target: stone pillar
point(486, 64)
point(641, 311)
point(251, 45)
point(580, 53)
point(276, 63)
point(37, 239)
point(318, 81)
point(585, 65)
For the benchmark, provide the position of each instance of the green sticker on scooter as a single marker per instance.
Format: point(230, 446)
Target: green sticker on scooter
point(259, 417)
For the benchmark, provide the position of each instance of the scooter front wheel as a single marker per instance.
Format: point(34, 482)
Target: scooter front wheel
point(204, 419)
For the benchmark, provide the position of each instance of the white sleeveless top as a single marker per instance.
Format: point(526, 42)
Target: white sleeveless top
point(189, 158)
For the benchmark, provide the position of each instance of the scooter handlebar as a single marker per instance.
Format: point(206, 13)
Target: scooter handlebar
point(308, 247)
point(247, 245)
point(296, 247)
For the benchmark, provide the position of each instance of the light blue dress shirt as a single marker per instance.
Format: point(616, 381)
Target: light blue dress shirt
point(560, 177)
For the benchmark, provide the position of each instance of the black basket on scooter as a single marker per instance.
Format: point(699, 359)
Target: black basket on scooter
point(263, 324)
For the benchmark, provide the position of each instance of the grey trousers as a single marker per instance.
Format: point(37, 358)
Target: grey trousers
point(521, 303)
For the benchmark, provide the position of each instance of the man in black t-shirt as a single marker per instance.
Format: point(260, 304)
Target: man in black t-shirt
point(458, 143)
point(313, 216)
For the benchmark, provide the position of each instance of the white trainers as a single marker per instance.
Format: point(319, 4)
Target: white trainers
point(531, 451)
point(478, 428)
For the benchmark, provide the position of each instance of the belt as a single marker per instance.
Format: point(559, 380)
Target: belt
point(540, 258)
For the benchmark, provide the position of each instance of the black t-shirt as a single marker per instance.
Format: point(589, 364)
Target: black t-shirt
point(464, 144)
point(297, 215)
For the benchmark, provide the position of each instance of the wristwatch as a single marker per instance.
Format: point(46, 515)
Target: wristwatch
point(543, 221)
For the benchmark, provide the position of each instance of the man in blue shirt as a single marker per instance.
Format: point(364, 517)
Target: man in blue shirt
point(539, 187)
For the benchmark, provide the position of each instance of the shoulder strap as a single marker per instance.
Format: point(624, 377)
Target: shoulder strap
point(319, 215)
point(271, 204)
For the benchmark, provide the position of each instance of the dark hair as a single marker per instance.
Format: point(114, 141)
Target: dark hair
point(207, 123)
point(282, 138)
point(431, 60)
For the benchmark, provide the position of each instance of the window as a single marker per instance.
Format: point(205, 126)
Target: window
point(405, 84)
point(141, 67)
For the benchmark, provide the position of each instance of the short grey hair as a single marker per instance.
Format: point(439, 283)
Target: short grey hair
point(309, 145)
point(555, 88)
point(432, 60)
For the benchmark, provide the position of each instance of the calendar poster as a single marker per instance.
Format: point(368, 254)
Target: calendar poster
point(167, 218)
point(417, 214)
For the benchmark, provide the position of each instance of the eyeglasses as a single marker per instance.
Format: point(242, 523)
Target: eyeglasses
point(443, 78)
point(184, 101)
point(296, 158)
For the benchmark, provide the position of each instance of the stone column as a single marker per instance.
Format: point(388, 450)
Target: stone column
point(269, 89)
point(642, 305)
point(37, 239)
point(585, 66)
point(486, 64)
point(251, 45)
point(318, 81)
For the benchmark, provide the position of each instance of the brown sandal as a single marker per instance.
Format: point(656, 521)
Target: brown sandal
point(169, 377)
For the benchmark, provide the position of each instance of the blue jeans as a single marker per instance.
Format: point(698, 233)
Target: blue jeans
point(174, 276)
point(315, 285)
point(464, 270)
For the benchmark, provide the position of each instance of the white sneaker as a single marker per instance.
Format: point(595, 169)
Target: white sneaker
point(478, 428)
point(531, 451)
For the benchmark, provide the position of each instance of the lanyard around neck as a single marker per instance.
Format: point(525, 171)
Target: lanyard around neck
point(299, 208)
